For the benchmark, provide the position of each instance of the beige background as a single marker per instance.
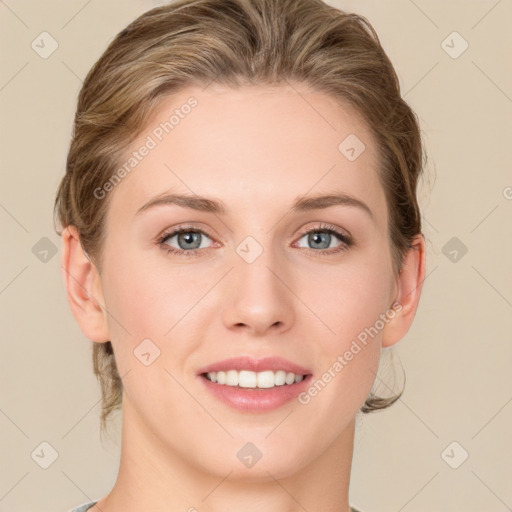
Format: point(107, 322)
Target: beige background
point(457, 356)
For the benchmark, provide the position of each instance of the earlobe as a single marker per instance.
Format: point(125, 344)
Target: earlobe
point(409, 285)
point(83, 287)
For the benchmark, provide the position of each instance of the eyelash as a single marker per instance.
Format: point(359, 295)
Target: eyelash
point(332, 230)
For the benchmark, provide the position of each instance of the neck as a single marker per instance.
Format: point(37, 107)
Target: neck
point(153, 477)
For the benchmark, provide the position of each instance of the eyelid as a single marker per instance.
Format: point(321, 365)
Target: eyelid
point(342, 233)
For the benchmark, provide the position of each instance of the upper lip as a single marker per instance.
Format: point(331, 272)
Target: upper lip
point(255, 365)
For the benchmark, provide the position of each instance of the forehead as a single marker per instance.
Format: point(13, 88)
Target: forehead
point(251, 146)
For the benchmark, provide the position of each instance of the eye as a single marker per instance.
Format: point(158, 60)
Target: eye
point(321, 237)
point(189, 241)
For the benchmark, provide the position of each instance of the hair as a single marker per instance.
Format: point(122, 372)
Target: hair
point(234, 43)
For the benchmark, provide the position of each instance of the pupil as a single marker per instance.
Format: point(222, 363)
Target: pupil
point(189, 238)
point(317, 238)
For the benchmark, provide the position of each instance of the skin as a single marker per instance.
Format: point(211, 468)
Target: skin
point(257, 149)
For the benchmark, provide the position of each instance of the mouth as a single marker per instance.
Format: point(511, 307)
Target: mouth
point(247, 379)
point(255, 385)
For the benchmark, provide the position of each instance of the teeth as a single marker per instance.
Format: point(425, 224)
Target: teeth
point(248, 379)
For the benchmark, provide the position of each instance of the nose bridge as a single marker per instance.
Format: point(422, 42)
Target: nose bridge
point(259, 299)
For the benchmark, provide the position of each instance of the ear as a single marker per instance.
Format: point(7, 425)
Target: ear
point(83, 287)
point(409, 283)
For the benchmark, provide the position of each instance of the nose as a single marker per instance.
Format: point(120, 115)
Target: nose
point(259, 299)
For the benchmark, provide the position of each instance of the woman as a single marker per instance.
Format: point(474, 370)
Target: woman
point(241, 238)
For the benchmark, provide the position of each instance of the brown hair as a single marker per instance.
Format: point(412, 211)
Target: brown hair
point(234, 43)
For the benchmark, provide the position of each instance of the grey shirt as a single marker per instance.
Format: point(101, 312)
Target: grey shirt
point(87, 506)
point(83, 508)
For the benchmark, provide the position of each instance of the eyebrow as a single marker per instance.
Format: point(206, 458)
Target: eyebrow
point(301, 204)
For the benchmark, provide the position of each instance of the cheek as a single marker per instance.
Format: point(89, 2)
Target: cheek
point(348, 358)
point(147, 314)
point(351, 299)
point(164, 304)
point(354, 310)
point(149, 300)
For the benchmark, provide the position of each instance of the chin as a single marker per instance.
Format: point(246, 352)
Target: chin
point(259, 460)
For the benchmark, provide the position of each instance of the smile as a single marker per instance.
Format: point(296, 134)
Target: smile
point(249, 379)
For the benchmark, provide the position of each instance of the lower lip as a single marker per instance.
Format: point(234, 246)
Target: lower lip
point(259, 399)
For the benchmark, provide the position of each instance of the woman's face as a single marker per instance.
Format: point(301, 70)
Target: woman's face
point(256, 285)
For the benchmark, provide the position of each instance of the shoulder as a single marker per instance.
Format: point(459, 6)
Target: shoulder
point(86, 506)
